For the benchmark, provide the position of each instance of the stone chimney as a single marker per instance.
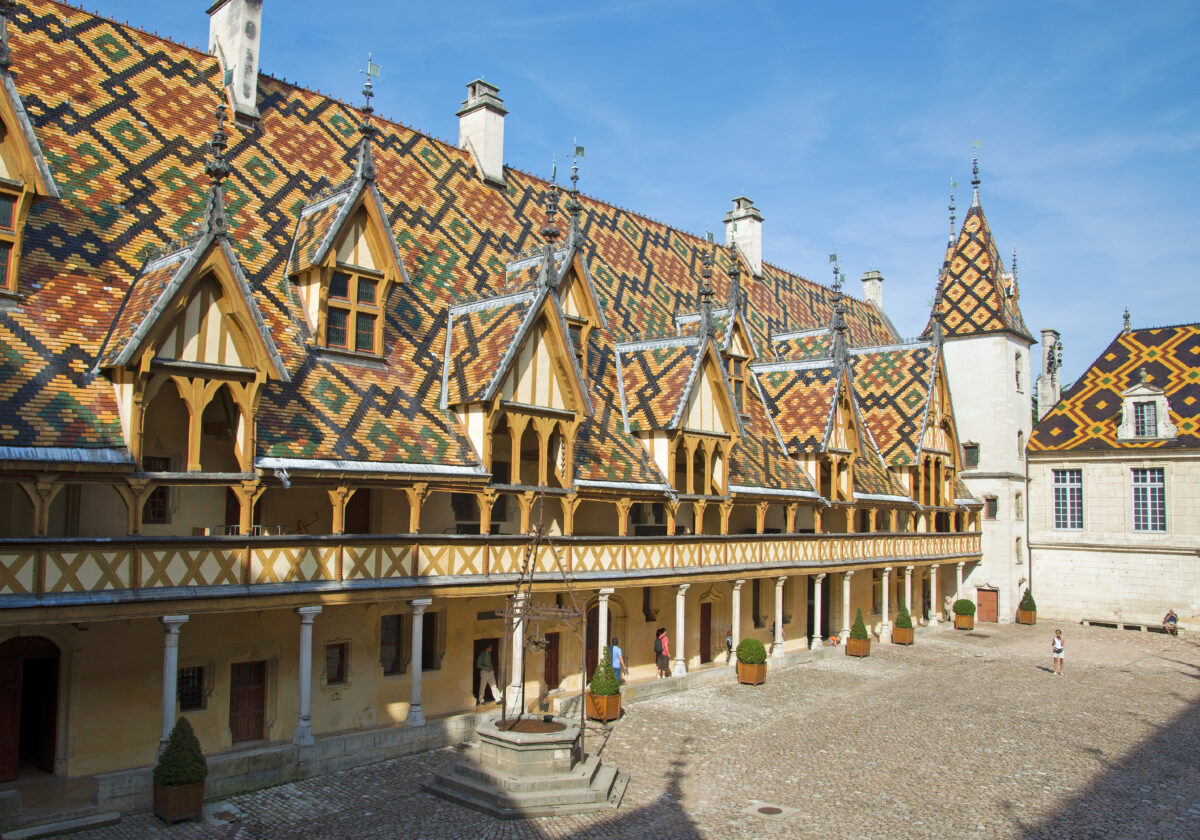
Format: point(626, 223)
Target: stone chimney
point(1049, 384)
point(234, 30)
point(743, 230)
point(481, 130)
point(872, 285)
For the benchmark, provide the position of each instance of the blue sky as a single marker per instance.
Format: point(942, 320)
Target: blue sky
point(844, 122)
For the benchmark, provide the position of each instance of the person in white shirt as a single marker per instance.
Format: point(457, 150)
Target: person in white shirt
point(1056, 653)
point(618, 659)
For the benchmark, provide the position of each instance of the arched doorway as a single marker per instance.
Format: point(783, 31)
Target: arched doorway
point(28, 704)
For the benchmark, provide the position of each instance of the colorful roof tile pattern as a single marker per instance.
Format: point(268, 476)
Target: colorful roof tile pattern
point(892, 386)
point(1087, 416)
point(120, 115)
point(481, 337)
point(759, 460)
point(973, 291)
point(800, 400)
point(655, 379)
point(803, 345)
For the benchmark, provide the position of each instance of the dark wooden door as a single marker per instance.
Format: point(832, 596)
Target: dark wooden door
point(989, 604)
point(247, 700)
point(11, 668)
point(706, 631)
point(39, 705)
point(553, 675)
point(358, 513)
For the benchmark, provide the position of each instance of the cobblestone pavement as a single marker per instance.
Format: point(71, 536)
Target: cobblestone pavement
point(963, 735)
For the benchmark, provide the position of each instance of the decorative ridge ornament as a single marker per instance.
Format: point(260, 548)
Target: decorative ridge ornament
point(573, 206)
point(975, 176)
point(549, 273)
point(366, 163)
point(1127, 327)
point(736, 297)
point(953, 230)
point(8, 10)
point(217, 168)
point(707, 327)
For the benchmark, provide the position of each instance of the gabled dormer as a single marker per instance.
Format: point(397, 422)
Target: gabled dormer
point(1145, 412)
point(344, 260)
point(842, 445)
point(581, 308)
point(24, 176)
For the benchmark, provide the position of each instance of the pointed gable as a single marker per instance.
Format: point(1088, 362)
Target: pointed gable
point(350, 225)
point(892, 385)
point(800, 400)
point(975, 295)
point(21, 156)
point(673, 384)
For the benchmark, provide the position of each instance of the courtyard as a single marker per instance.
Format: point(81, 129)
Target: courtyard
point(964, 734)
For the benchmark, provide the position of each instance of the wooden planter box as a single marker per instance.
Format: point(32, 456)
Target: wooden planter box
point(902, 635)
point(1026, 616)
point(178, 802)
point(964, 622)
point(603, 707)
point(752, 674)
point(858, 647)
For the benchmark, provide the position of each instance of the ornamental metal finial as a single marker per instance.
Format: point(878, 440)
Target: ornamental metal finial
point(953, 186)
point(550, 232)
point(217, 167)
point(8, 9)
point(837, 275)
point(1127, 326)
point(975, 174)
point(707, 328)
point(366, 163)
point(573, 206)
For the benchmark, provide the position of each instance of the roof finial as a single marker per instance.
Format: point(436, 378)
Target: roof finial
point(8, 8)
point(550, 232)
point(217, 168)
point(953, 186)
point(366, 164)
point(707, 328)
point(975, 175)
point(1012, 289)
point(837, 276)
point(735, 279)
point(1143, 376)
point(574, 207)
point(1127, 327)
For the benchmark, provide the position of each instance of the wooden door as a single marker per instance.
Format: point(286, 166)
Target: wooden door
point(552, 673)
point(706, 631)
point(39, 707)
point(11, 668)
point(247, 700)
point(989, 601)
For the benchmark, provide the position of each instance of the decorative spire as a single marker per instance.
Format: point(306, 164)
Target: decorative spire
point(1127, 326)
point(736, 298)
point(707, 327)
point(975, 176)
point(1012, 289)
point(366, 163)
point(838, 277)
point(953, 229)
point(8, 9)
point(549, 273)
point(840, 331)
point(573, 206)
point(217, 168)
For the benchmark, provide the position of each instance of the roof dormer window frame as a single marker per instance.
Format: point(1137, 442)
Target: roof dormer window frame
point(342, 289)
point(1145, 414)
point(15, 201)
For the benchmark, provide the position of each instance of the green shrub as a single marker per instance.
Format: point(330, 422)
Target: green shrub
point(964, 606)
point(751, 652)
point(1027, 602)
point(903, 619)
point(859, 629)
point(181, 762)
point(604, 681)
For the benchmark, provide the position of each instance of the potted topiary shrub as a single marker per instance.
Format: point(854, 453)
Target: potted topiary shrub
point(751, 662)
point(902, 630)
point(964, 614)
point(179, 776)
point(604, 692)
point(1027, 609)
point(859, 643)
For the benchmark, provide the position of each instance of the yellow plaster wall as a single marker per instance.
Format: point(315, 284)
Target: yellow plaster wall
point(534, 378)
point(190, 507)
point(296, 506)
point(102, 512)
point(355, 247)
point(702, 413)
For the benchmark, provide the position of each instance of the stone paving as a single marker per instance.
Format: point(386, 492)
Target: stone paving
point(963, 735)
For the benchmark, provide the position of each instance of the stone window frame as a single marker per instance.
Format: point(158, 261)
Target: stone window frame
point(1149, 511)
point(970, 455)
point(991, 507)
point(347, 670)
point(1067, 498)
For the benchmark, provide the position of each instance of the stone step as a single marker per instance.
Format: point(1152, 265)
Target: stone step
point(580, 777)
point(605, 791)
point(53, 829)
point(502, 797)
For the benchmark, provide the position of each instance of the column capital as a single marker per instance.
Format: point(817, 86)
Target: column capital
point(780, 581)
point(605, 593)
point(172, 623)
point(683, 587)
point(887, 570)
point(419, 604)
point(820, 577)
point(737, 585)
point(909, 569)
point(307, 614)
point(961, 565)
point(849, 573)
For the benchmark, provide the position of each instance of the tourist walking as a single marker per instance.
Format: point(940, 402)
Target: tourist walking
point(1056, 653)
point(617, 658)
point(662, 652)
point(487, 674)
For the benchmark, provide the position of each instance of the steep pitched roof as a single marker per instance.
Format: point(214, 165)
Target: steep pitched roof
point(655, 378)
point(760, 463)
point(482, 336)
point(803, 345)
point(974, 294)
point(893, 387)
point(800, 398)
point(1087, 416)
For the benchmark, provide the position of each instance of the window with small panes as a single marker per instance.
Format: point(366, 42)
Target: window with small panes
point(353, 316)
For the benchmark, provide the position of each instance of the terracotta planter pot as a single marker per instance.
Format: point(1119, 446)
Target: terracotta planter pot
point(178, 802)
point(902, 635)
point(858, 647)
point(964, 622)
point(1026, 616)
point(752, 674)
point(603, 707)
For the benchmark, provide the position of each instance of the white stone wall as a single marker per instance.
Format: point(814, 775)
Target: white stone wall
point(994, 411)
point(1108, 571)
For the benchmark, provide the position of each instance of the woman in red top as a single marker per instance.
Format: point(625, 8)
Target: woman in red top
point(662, 652)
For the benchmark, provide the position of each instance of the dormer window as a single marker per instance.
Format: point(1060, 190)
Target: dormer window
point(352, 319)
point(1145, 419)
point(1145, 412)
point(8, 235)
point(575, 332)
point(737, 380)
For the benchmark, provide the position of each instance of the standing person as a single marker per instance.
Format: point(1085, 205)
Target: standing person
point(487, 674)
point(1056, 653)
point(617, 658)
point(660, 651)
point(728, 645)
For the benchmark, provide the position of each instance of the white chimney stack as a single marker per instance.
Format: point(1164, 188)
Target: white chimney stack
point(481, 130)
point(234, 29)
point(872, 286)
point(743, 230)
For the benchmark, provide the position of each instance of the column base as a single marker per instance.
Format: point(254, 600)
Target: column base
point(304, 734)
point(679, 669)
point(885, 630)
point(932, 622)
point(777, 649)
point(844, 635)
point(416, 717)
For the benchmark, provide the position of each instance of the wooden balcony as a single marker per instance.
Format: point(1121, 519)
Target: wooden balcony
point(41, 573)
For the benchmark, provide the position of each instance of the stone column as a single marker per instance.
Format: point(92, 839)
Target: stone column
point(416, 716)
point(958, 570)
point(935, 606)
point(602, 636)
point(908, 570)
point(171, 624)
point(303, 736)
point(885, 625)
point(846, 605)
point(737, 616)
point(516, 681)
point(817, 640)
point(680, 659)
point(777, 642)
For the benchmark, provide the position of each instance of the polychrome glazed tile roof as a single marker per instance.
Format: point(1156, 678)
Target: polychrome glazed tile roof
point(1089, 412)
point(800, 400)
point(481, 335)
point(973, 295)
point(802, 346)
point(759, 460)
point(655, 377)
point(892, 386)
point(121, 116)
